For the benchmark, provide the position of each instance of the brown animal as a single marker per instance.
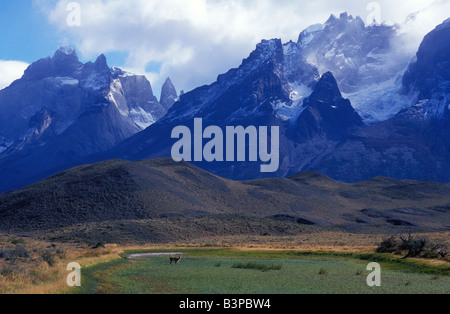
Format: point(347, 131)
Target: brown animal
point(175, 259)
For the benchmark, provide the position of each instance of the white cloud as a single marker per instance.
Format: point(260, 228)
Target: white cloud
point(10, 71)
point(195, 40)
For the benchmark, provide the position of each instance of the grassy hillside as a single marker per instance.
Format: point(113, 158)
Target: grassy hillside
point(160, 200)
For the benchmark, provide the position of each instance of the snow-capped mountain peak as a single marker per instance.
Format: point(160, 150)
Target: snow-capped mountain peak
point(361, 58)
point(63, 108)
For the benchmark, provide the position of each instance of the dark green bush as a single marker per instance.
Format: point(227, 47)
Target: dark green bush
point(49, 258)
point(20, 251)
point(4, 254)
point(60, 253)
point(5, 272)
point(258, 266)
point(18, 241)
point(390, 245)
point(99, 245)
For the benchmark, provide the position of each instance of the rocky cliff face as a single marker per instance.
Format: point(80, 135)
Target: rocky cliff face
point(428, 76)
point(62, 110)
point(327, 114)
point(169, 94)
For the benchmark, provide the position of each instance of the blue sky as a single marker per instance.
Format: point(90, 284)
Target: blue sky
point(26, 34)
point(191, 41)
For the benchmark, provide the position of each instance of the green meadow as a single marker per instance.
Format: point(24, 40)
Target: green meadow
point(235, 272)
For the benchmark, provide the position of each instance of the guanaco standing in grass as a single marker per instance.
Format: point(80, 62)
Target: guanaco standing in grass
point(175, 259)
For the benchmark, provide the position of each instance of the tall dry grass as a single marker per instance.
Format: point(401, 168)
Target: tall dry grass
point(43, 269)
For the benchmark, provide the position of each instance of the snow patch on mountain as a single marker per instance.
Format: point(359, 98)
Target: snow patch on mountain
point(290, 111)
point(142, 118)
point(365, 61)
point(115, 95)
point(380, 102)
point(290, 49)
point(309, 33)
point(96, 81)
point(118, 72)
point(67, 80)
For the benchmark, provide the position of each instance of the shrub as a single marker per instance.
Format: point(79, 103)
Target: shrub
point(422, 247)
point(414, 247)
point(390, 245)
point(6, 272)
point(61, 253)
point(4, 254)
point(49, 258)
point(18, 241)
point(99, 245)
point(20, 251)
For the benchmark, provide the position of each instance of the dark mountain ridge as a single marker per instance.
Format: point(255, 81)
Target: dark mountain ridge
point(121, 193)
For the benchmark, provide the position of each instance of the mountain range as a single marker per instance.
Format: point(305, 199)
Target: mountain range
point(62, 110)
point(350, 103)
point(281, 84)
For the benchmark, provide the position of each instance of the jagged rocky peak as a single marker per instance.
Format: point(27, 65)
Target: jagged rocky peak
point(101, 62)
point(344, 23)
point(326, 90)
point(265, 50)
point(327, 114)
point(169, 94)
point(65, 53)
point(345, 17)
point(63, 63)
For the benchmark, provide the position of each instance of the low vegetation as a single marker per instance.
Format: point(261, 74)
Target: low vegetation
point(33, 266)
point(258, 266)
point(414, 247)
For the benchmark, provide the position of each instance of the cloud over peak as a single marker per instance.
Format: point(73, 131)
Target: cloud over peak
point(193, 41)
